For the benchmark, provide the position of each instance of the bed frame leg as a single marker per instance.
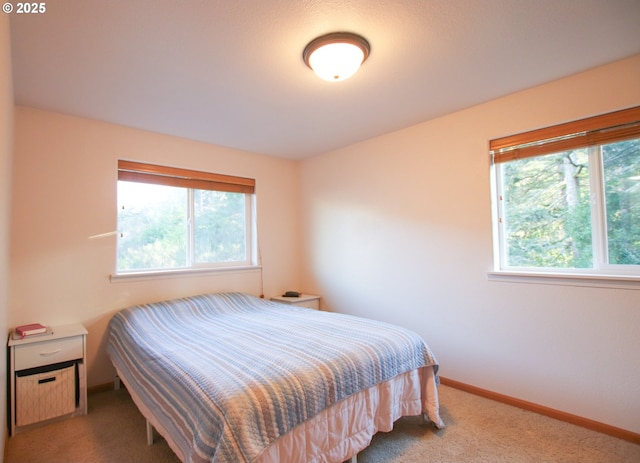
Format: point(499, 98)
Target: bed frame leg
point(149, 433)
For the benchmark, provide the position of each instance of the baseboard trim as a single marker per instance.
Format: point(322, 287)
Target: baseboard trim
point(546, 411)
point(101, 388)
point(6, 444)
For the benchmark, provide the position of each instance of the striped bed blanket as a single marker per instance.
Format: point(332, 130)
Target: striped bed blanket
point(227, 374)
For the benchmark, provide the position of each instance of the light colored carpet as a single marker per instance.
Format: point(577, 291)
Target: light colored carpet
point(478, 430)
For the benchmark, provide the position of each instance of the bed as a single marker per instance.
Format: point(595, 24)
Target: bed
point(229, 377)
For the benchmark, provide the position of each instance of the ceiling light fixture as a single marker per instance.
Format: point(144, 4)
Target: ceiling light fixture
point(336, 56)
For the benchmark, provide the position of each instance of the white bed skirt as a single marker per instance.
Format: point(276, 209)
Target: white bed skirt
point(343, 430)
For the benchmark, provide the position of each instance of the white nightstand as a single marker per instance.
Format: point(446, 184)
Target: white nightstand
point(47, 376)
point(305, 300)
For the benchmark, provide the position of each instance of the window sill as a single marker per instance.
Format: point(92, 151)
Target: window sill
point(568, 279)
point(179, 273)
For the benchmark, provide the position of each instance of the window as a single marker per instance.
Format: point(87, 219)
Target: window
point(172, 219)
point(567, 198)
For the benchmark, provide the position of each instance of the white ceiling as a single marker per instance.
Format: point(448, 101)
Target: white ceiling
point(230, 72)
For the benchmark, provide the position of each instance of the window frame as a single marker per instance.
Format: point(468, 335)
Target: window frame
point(588, 133)
point(133, 171)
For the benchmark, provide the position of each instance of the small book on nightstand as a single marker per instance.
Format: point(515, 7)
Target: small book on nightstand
point(30, 330)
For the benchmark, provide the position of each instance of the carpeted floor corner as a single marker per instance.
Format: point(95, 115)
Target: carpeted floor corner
point(113, 431)
point(484, 431)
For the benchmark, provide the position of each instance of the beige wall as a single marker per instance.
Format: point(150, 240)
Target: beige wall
point(6, 129)
point(399, 228)
point(64, 191)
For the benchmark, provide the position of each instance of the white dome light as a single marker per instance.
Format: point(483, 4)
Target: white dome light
point(337, 56)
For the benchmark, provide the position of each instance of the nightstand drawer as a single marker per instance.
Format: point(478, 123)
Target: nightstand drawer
point(48, 352)
point(310, 304)
point(304, 300)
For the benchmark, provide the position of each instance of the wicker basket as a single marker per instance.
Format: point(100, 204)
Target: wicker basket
point(41, 396)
